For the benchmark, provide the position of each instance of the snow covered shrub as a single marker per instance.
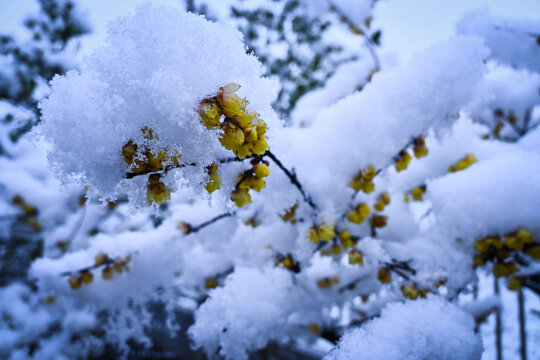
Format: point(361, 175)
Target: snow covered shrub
point(379, 200)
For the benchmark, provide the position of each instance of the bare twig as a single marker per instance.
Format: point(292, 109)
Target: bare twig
point(131, 175)
point(498, 323)
point(211, 221)
point(292, 177)
point(107, 262)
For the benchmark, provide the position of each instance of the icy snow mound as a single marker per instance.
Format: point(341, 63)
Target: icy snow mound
point(419, 330)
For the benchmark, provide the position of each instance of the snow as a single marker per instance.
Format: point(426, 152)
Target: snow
point(144, 76)
point(251, 309)
point(424, 329)
point(494, 197)
point(512, 42)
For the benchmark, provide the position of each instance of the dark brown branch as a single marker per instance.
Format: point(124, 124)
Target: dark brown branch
point(131, 175)
point(533, 286)
point(522, 330)
point(292, 177)
point(107, 262)
point(351, 284)
point(498, 323)
point(400, 267)
point(210, 222)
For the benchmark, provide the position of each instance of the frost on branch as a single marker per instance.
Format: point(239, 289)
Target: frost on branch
point(143, 85)
point(425, 329)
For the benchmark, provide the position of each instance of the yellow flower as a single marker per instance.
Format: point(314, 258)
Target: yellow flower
point(378, 221)
point(363, 180)
point(403, 160)
point(230, 103)
point(410, 291)
point(356, 257)
point(290, 214)
point(418, 193)
point(232, 136)
point(420, 149)
point(324, 231)
point(359, 214)
point(346, 239)
point(241, 197)
point(214, 180)
point(383, 200)
point(210, 113)
point(156, 191)
point(261, 170)
point(464, 163)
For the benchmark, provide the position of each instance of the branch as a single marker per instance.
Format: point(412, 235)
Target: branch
point(210, 222)
point(131, 175)
point(292, 177)
point(107, 262)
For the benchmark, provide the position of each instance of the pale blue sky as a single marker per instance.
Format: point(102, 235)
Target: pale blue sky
point(408, 25)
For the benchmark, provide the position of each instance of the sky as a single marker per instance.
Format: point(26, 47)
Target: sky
point(408, 25)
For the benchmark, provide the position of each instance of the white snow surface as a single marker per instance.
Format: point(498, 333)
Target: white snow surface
point(418, 330)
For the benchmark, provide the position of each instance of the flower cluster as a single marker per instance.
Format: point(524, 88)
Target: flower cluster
point(251, 179)
point(462, 164)
point(110, 266)
point(359, 214)
point(324, 231)
point(402, 161)
point(506, 253)
point(420, 149)
point(364, 180)
point(214, 180)
point(382, 201)
point(243, 132)
point(143, 158)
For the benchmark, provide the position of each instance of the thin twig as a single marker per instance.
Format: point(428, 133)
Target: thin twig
point(211, 221)
point(526, 122)
point(292, 177)
point(498, 323)
point(522, 329)
point(131, 175)
point(88, 268)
